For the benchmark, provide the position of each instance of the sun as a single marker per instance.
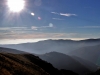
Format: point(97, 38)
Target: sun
point(16, 5)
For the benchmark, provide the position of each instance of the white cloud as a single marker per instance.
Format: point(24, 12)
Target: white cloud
point(90, 27)
point(34, 28)
point(36, 35)
point(64, 14)
point(95, 27)
point(40, 35)
point(57, 19)
point(37, 28)
point(12, 28)
point(67, 14)
point(49, 26)
point(55, 13)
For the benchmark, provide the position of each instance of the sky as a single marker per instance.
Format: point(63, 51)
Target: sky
point(42, 19)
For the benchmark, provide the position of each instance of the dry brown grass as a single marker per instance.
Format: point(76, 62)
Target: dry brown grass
point(13, 64)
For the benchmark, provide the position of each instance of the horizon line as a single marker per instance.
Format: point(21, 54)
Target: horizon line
point(20, 41)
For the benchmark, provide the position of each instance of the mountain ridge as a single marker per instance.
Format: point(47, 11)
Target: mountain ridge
point(63, 61)
point(62, 46)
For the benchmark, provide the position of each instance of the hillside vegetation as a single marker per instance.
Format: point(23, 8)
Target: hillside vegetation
point(27, 64)
point(14, 62)
point(11, 64)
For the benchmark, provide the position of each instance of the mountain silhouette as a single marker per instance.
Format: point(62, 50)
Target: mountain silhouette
point(62, 61)
point(9, 50)
point(90, 53)
point(26, 64)
point(91, 66)
point(62, 46)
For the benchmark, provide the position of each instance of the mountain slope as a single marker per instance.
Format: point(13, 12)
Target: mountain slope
point(90, 53)
point(11, 65)
point(26, 64)
point(91, 66)
point(9, 50)
point(62, 61)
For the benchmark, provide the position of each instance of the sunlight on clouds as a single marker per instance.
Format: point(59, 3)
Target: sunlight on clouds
point(64, 14)
point(67, 14)
point(17, 41)
point(38, 35)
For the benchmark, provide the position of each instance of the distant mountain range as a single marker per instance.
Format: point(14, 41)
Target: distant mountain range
point(88, 49)
point(84, 55)
point(62, 46)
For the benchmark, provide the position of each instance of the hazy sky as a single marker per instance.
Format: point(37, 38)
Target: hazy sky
point(51, 19)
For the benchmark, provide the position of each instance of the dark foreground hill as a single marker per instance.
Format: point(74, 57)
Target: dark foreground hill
point(9, 50)
point(27, 64)
point(10, 64)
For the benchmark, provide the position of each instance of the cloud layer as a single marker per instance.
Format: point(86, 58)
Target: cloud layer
point(57, 19)
point(42, 27)
point(34, 33)
point(64, 14)
point(67, 14)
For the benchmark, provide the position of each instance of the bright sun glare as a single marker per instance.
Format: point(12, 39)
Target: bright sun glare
point(16, 5)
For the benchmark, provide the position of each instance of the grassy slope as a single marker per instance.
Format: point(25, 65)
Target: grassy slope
point(11, 64)
point(28, 64)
